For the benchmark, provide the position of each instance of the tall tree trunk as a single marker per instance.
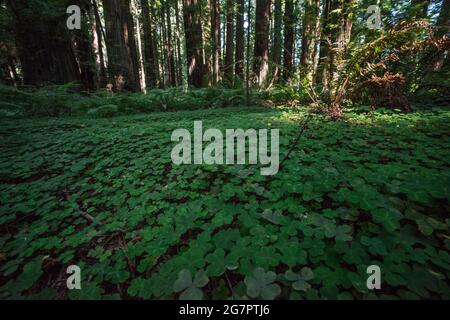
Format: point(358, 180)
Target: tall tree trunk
point(84, 50)
point(215, 39)
point(322, 73)
point(149, 51)
point(170, 55)
point(309, 37)
point(98, 46)
point(240, 40)
point(194, 42)
point(288, 40)
point(120, 63)
point(261, 50)
point(277, 39)
point(178, 37)
point(43, 43)
point(131, 39)
point(229, 49)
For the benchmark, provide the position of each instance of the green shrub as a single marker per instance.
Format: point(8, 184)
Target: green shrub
point(105, 111)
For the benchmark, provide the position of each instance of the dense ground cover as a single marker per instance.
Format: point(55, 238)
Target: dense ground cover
point(371, 189)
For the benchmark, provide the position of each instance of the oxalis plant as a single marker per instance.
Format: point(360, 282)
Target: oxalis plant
point(190, 286)
point(261, 284)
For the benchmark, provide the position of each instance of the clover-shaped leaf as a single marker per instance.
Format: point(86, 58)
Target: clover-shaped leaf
point(218, 263)
point(300, 279)
point(273, 216)
point(190, 286)
point(260, 284)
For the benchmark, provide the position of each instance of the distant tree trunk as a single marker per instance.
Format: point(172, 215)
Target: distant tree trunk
point(120, 64)
point(322, 73)
point(277, 39)
point(288, 40)
point(131, 40)
point(43, 43)
point(178, 37)
point(229, 48)
point(84, 50)
point(309, 37)
point(261, 50)
point(215, 40)
point(170, 55)
point(149, 51)
point(98, 46)
point(240, 40)
point(194, 42)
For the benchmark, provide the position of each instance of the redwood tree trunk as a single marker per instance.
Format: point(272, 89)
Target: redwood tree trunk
point(98, 47)
point(229, 49)
point(288, 40)
point(277, 39)
point(194, 42)
point(215, 38)
point(261, 50)
point(44, 44)
point(149, 51)
point(170, 55)
point(240, 40)
point(309, 37)
point(120, 62)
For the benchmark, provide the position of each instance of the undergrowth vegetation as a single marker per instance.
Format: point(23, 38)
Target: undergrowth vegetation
point(103, 194)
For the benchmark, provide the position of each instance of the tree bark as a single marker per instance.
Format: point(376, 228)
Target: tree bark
point(229, 48)
point(120, 63)
point(98, 46)
point(43, 43)
point(215, 39)
point(288, 40)
point(149, 50)
point(194, 42)
point(261, 49)
point(309, 37)
point(277, 39)
point(240, 40)
point(322, 73)
point(170, 54)
point(131, 40)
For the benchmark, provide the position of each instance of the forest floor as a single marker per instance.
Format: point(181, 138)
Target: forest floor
point(103, 194)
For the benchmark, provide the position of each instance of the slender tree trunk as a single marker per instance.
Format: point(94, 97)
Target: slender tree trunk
point(98, 46)
point(215, 39)
point(277, 39)
point(261, 50)
point(120, 62)
point(240, 40)
point(149, 50)
point(194, 42)
point(84, 50)
point(170, 55)
point(288, 40)
point(229, 50)
point(43, 43)
point(178, 37)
